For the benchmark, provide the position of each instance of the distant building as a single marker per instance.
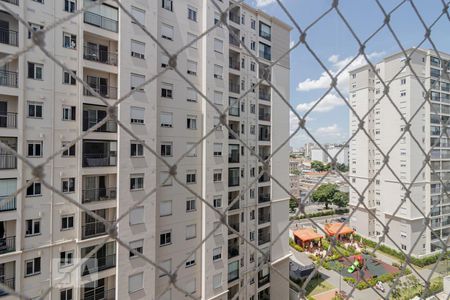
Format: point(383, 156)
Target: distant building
point(333, 150)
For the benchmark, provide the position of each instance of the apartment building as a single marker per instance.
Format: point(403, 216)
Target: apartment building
point(339, 152)
point(385, 126)
point(108, 171)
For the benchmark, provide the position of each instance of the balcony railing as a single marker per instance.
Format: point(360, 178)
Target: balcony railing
point(233, 180)
point(8, 161)
point(15, 2)
point(7, 244)
point(264, 96)
point(233, 275)
point(8, 78)
point(235, 226)
point(233, 157)
point(234, 87)
point(233, 251)
point(99, 294)
point(9, 282)
point(108, 126)
point(264, 178)
point(264, 155)
point(99, 160)
point(105, 91)
point(235, 204)
point(262, 198)
point(264, 137)
point(7, 203)
point(93, 229)
point(263, 218)
point(263, 237)
point(235, 17)
point(99, 194)
point(100, 56)
point(264, 116)
point(8, 120)
point(8, 37)
point(97, 264)
point(100, 21)
point(234, 64)
point(263, 281)
point(233, 40)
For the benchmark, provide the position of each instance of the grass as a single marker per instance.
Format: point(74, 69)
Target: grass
point(317, 286)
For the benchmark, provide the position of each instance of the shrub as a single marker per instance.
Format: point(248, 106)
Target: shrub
point(330, 212)
point(350, 280)
point(295, 245)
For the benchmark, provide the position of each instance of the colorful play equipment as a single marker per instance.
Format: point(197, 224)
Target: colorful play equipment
point(358, 264)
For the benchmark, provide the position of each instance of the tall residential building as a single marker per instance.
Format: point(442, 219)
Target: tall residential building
point(385, 126)
point(108, 171)
point(337, 151)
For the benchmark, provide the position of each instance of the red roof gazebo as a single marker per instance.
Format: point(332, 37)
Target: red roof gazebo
point(337, 229)
point(306, 235)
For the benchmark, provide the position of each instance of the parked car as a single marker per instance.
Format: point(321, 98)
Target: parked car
point(343, 219)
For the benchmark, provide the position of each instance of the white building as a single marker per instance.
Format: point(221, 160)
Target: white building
point(334, 151)
point(108, 171)
point(385, 126)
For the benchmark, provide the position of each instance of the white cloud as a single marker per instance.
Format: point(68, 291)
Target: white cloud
point(337, 66)
point(329, 102)
point(260, 3)
point(329, 130)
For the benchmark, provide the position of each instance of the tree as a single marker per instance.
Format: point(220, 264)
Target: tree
point(317, 165)
point(293, 204)
point(342, 167)
point(340, 199)
point(295, 172)
point(325, 194)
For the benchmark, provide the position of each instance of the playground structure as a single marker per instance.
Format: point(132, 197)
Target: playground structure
point(358, 264)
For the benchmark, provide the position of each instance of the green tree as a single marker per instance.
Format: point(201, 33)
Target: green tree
point(317, 165)
point(340, 199)
point(295, 172)
point(325, 194)
point(342, 167)
point(293, 204)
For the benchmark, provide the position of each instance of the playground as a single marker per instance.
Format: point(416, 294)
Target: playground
point(363, 265)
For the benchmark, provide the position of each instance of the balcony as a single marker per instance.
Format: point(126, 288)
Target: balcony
point(263, 277)
point(265, 51)
point(234, 15)
point(8, 161)
point(100, 54)
point(234, 39)
point(262, 198)
point(233, 271)
point(233, 222)
point(234, 87)
point(9, 281)
point(8, 120)
point(264, 152)
point(8, 37)
point(99, 153)
point(92, 227)
point(100, 83)
point(263, 95)
point(233, 248)
point(99, 188)
point(7, 203)
point(103, 259)
point(264, 114)
point(264, 294)
point(263, 215)
point(8, 78)
point(234, 107)
point(101, 21)
point(9, 29)
point(233, 153)
point(264, 177)
point(94, 114)
point(264, 133)
point(233, 177)
point(231, 197)
point(7, 244)
point(15, 2)
point(99, 294)
point(234, 60)
point(263, 236)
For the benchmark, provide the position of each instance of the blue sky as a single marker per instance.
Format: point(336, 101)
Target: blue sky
point(335, 46)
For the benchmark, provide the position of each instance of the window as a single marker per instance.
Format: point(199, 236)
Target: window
point(192, 40)
point(69, 79)
point(167, 4)
point(252, 214)
point(35, 109)
point(167, 32)
point(66, 294)
point(218, 45)
point(166, 119)
point(34, 28)
point(138, 14)
point(217, 18)
point(137, 115)
point(137, 215)
point(67, 222)
point(217, 123)
point(252, 129)
point(137, 49)
point(136, 149)
point(190, 261)
point(69, 113)
point(167, 90)
point(39, 1)
point(218, 97)
point(70, 6)
point(165, 208)
point(217, 281)
point(192, 13)
point(34, 189)
point(191, 231)
point(138, 246)
point(165, 178)
point(165, 238)
point(32, 227)
point(164, 60)
point(265, 31)
point(166, 265)
point(252, 108)
point(191, 122)
point(65, 258)
point(33, 266)
point(68, 185)
point(192, 68)
point(136, 182)
point(265, 51)
point(69, 40)
point(192, 148)
point(217, 253)
point(135, 282)
point(403, 247)
point(252, 235)
point(218, 72)
point(166, 148)
point(403, 81)
point(191, 176)
point(190, 205)
point(253, 45)
point(402, 93)
point(35, 71)
point(217, 149)
point(252, 66)
point(191, 95)
point(217, 175)
point(34, 148)
point(253, 24)
point(137, 80)
point(217, 201)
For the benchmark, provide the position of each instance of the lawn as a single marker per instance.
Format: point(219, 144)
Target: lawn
point(317, 286)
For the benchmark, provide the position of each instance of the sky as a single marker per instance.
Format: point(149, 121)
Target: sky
point(335, 46)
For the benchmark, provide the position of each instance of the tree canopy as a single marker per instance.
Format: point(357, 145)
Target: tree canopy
point(328, 194)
